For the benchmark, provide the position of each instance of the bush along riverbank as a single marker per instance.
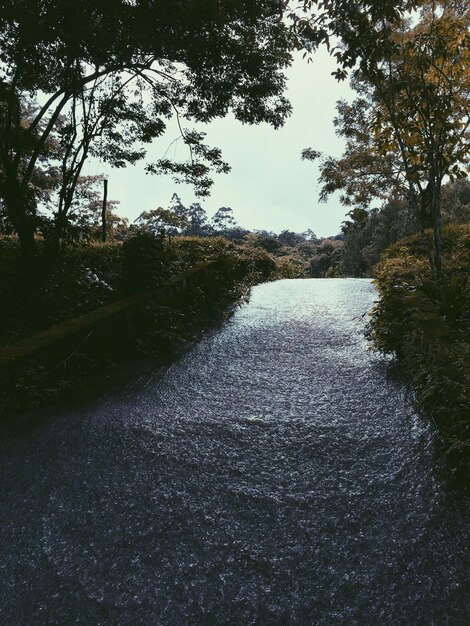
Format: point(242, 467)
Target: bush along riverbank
point(150, 332)
point(428, 326)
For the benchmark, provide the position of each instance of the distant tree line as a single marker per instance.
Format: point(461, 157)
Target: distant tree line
point(178, 220)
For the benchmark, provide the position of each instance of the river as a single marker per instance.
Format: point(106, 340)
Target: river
point(275, 474)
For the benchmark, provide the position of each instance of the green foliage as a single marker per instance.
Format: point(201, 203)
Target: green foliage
point(361, 174)
point(159, 222)
point(290, 267)
point(104, 259)
point(159, 328)
point(143, 261)
point(429, 331)
point(257, 264)
point(270, 244)
point(223, 220)
point(300, 255)
point(354, 32)
point(327, 260)
point(408, 129)
point(289, 238)
point(368, 233)
point(198, 224)
point(83, 217)
point(456, 202)
point(85, 278)
point(114, 73)
point(190, 251)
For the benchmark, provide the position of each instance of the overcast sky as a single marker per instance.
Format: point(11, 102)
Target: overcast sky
point(269, 187)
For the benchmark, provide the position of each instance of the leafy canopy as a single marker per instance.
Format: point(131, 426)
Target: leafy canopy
point(110, 74)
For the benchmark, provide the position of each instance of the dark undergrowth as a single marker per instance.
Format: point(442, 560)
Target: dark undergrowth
point(145, 335)
point(428, 327)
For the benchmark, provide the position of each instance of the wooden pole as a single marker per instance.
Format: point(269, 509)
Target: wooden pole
point(103, 210)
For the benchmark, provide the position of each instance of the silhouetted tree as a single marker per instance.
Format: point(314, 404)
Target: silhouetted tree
point(117, 71)
point(160, 222)
point(198, 224)
point(289, 238)
point(223, 220)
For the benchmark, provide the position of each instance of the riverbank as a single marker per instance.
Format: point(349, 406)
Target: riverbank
point(428, 328)
point(167, 314)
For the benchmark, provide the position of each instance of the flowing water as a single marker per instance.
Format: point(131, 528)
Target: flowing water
point(276, 474)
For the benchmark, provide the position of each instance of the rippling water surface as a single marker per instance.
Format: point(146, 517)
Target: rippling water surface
point(277, 474)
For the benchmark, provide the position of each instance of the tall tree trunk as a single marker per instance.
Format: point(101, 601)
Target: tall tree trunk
point(420, 209)
point(52, 245)
point(437, 227)
point(22, 215)
point(23, 220)
point(103, 210)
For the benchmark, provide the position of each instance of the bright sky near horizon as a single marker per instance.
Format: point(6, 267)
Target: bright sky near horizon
point(269, 186)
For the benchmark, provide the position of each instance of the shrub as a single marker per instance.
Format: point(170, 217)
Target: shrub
point(428, 326)
point(144, 257)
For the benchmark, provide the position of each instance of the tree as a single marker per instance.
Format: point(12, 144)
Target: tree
point(160, 222)
point(177, 208)
point(356, 32)
point(423, 107)
point(309, 235)
point(117, 71)
point(198, 224)
point(270, 244)
point(289, 238)
point(362, 173)
point(223, 220)
point(20, 214)
point(368, 233)
point(176, 220)
point(326, 261)
point(84, 219)
point(104, 121)
point(456, 202)
point(418, 88)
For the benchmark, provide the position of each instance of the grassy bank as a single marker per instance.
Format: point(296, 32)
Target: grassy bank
point(428, 326)
point(91, 277)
